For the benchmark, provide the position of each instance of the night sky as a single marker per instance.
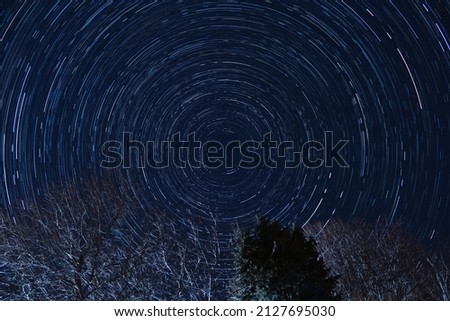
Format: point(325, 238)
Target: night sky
point(377, 74)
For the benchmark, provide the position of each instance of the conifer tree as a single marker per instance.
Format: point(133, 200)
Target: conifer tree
point(277, 263)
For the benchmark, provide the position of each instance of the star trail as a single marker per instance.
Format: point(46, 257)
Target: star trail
point(74, 76)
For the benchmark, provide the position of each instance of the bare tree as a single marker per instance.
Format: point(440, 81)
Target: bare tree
point(187, 259)
point(377, 262)
point(439, 266)
point(95, 243)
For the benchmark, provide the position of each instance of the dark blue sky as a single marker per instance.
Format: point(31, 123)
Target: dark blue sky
point(74, 76)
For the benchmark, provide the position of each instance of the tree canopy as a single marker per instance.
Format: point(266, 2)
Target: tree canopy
point(277, 263)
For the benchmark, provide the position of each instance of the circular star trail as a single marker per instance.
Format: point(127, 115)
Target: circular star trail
point(74, 76)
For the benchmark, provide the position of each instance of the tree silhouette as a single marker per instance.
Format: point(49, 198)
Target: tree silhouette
point(276, 263)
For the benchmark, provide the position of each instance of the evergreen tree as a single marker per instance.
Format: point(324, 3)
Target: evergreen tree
point(276, 263)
